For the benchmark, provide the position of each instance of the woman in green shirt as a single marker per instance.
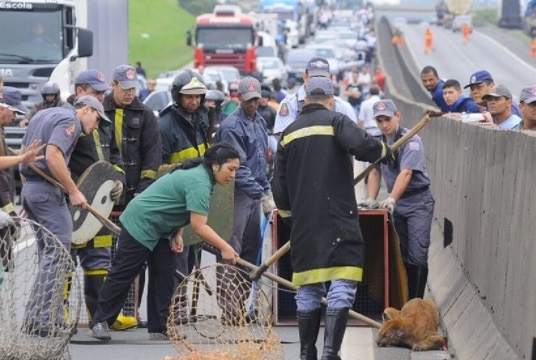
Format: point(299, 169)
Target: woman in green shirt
point(175, 200)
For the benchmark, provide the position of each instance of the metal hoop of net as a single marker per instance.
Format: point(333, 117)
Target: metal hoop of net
point(215, 314)
point(37, 318)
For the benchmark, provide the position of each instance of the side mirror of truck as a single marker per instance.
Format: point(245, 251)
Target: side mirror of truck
point(189, 38)
point(85, 42)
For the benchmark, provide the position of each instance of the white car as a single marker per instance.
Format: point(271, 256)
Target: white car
point(271, 68)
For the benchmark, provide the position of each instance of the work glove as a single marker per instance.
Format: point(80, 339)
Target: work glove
point(388, 204)
point(389, 158)
point(268, 203)
point(116, 192)
point(370, 203)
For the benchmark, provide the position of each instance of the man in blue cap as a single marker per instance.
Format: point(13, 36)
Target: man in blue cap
point(481, 83)
point(313, 188)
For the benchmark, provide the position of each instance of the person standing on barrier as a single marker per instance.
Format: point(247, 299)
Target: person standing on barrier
point(161, 212)
point(95, 256)
point(410, 199)
point(138, 138)
point(46, 204)
point(314, 191)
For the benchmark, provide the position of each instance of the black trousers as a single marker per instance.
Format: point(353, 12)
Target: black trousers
point(129, 259)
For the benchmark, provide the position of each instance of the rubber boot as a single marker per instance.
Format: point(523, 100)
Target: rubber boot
point(417, 276)
point(335, 327)
point(308, 327)
point(92, 285)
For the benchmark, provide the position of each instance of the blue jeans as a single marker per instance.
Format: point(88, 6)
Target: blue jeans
point(341, 294)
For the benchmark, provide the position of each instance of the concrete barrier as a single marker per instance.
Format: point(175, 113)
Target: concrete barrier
point(482, 268)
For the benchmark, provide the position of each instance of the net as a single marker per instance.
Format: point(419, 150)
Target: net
point(216, 313)
point(37, 315)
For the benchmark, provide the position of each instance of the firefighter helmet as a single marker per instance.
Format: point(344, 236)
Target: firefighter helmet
point(188, 82)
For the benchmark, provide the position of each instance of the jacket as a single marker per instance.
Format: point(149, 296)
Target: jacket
point(314, 183)
point(251, 140)
point(138, 137)
point(183, 139)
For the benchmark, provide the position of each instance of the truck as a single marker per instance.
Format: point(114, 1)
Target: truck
point(295, 16)
point(224, 37)
point(510, 14)
point(53, 41)
point(447, 10)
point(529, 19)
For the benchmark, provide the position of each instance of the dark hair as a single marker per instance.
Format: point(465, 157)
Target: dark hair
point(374, 90)
point(451, 83)
point(219, 153)
point(429, 69)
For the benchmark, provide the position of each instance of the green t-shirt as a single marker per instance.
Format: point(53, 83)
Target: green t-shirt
point(166, 205)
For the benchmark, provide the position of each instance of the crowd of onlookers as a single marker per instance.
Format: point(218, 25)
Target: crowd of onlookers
point(488, 103)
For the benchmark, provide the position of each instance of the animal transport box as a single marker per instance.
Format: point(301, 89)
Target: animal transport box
point(384, 276)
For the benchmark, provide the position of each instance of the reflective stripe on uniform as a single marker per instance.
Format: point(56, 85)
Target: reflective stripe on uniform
point(119, 128)
point(314, 276)
point(188, 153)
point(102, 241)
point(284, 213)
point(98, 145)
point(8, 208)
point(148, 174)
point(308, 131)
point(96, 272)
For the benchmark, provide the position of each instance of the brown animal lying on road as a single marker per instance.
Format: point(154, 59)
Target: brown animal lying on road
point(415, 326)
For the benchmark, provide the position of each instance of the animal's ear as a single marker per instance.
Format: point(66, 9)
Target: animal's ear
point(400, 333)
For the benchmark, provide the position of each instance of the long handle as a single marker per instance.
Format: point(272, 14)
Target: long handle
point(284, 282)
point(394, 147)
point(104, 220)
point(256, 274)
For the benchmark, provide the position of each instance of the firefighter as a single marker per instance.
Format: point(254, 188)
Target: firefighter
point(184, 130)
point(138, 138)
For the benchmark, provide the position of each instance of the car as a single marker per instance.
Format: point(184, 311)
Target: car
point(225, 74)
point(158, 100)
point(459, 21)
point(271, 68)
point(296, 61)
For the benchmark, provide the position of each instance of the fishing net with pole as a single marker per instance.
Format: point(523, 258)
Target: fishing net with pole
point(217, 314)
point(37, 315)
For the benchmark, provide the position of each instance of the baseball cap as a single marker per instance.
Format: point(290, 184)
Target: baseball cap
point(11, 99)
point(319, 86)
point(249, 88)
point(528, 94)
point(478, 77)
point(498, 91)
point(385, 107)
point(95, 105)
point(126, 76)
point(94, 78)
point(318, 66)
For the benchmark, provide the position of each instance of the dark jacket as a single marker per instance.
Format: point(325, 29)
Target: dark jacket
point(314, 181)
point(183, 139)
point(138, 137)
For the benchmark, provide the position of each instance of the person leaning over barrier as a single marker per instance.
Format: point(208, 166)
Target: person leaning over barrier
point(527, 105)
point(175, 200)
point(499, 102)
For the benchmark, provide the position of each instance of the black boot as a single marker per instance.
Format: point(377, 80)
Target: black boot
point(336, 320)
point(417, 276)
point(308, 326)
point(92, 286)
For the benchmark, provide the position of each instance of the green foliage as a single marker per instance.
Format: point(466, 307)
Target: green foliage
point(157, 35)
point(483, 16)
point(198, 7)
